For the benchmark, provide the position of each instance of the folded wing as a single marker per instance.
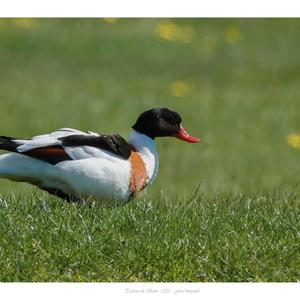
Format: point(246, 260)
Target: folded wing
point(68, 144)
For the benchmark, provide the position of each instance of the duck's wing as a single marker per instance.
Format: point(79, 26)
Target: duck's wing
point(68, 144)
point(83, 146)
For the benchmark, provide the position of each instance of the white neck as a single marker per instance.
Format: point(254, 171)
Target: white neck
point(145, 146)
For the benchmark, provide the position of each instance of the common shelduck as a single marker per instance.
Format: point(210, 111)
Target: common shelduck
point(75, 165)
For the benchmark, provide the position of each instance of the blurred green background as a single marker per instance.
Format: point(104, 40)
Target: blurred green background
point(234, 81)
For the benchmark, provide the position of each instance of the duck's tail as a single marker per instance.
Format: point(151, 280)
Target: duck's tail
point(8, 143)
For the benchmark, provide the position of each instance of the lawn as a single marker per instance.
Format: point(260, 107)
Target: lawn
point(236, 84)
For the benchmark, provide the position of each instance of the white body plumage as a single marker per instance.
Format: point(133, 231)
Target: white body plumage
point(92, 172)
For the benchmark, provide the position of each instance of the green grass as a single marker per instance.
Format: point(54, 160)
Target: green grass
point(243, 101)
point(204, 238)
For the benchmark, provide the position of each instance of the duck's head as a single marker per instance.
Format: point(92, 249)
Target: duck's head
point(159, 122)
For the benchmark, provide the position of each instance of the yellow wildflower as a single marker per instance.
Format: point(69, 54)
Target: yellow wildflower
point(169, 31)
point(294, 140)
point(25, 23)
point(180, 88)
point(166, 31)
point(232, 34)
point(111, 20)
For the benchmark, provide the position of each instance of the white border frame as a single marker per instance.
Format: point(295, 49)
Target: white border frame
point(91, 291)
point(149, 8)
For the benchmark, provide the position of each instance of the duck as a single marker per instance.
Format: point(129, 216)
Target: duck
point(74, 165)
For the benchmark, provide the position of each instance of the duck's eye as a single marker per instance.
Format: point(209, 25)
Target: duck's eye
point(171, 120)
